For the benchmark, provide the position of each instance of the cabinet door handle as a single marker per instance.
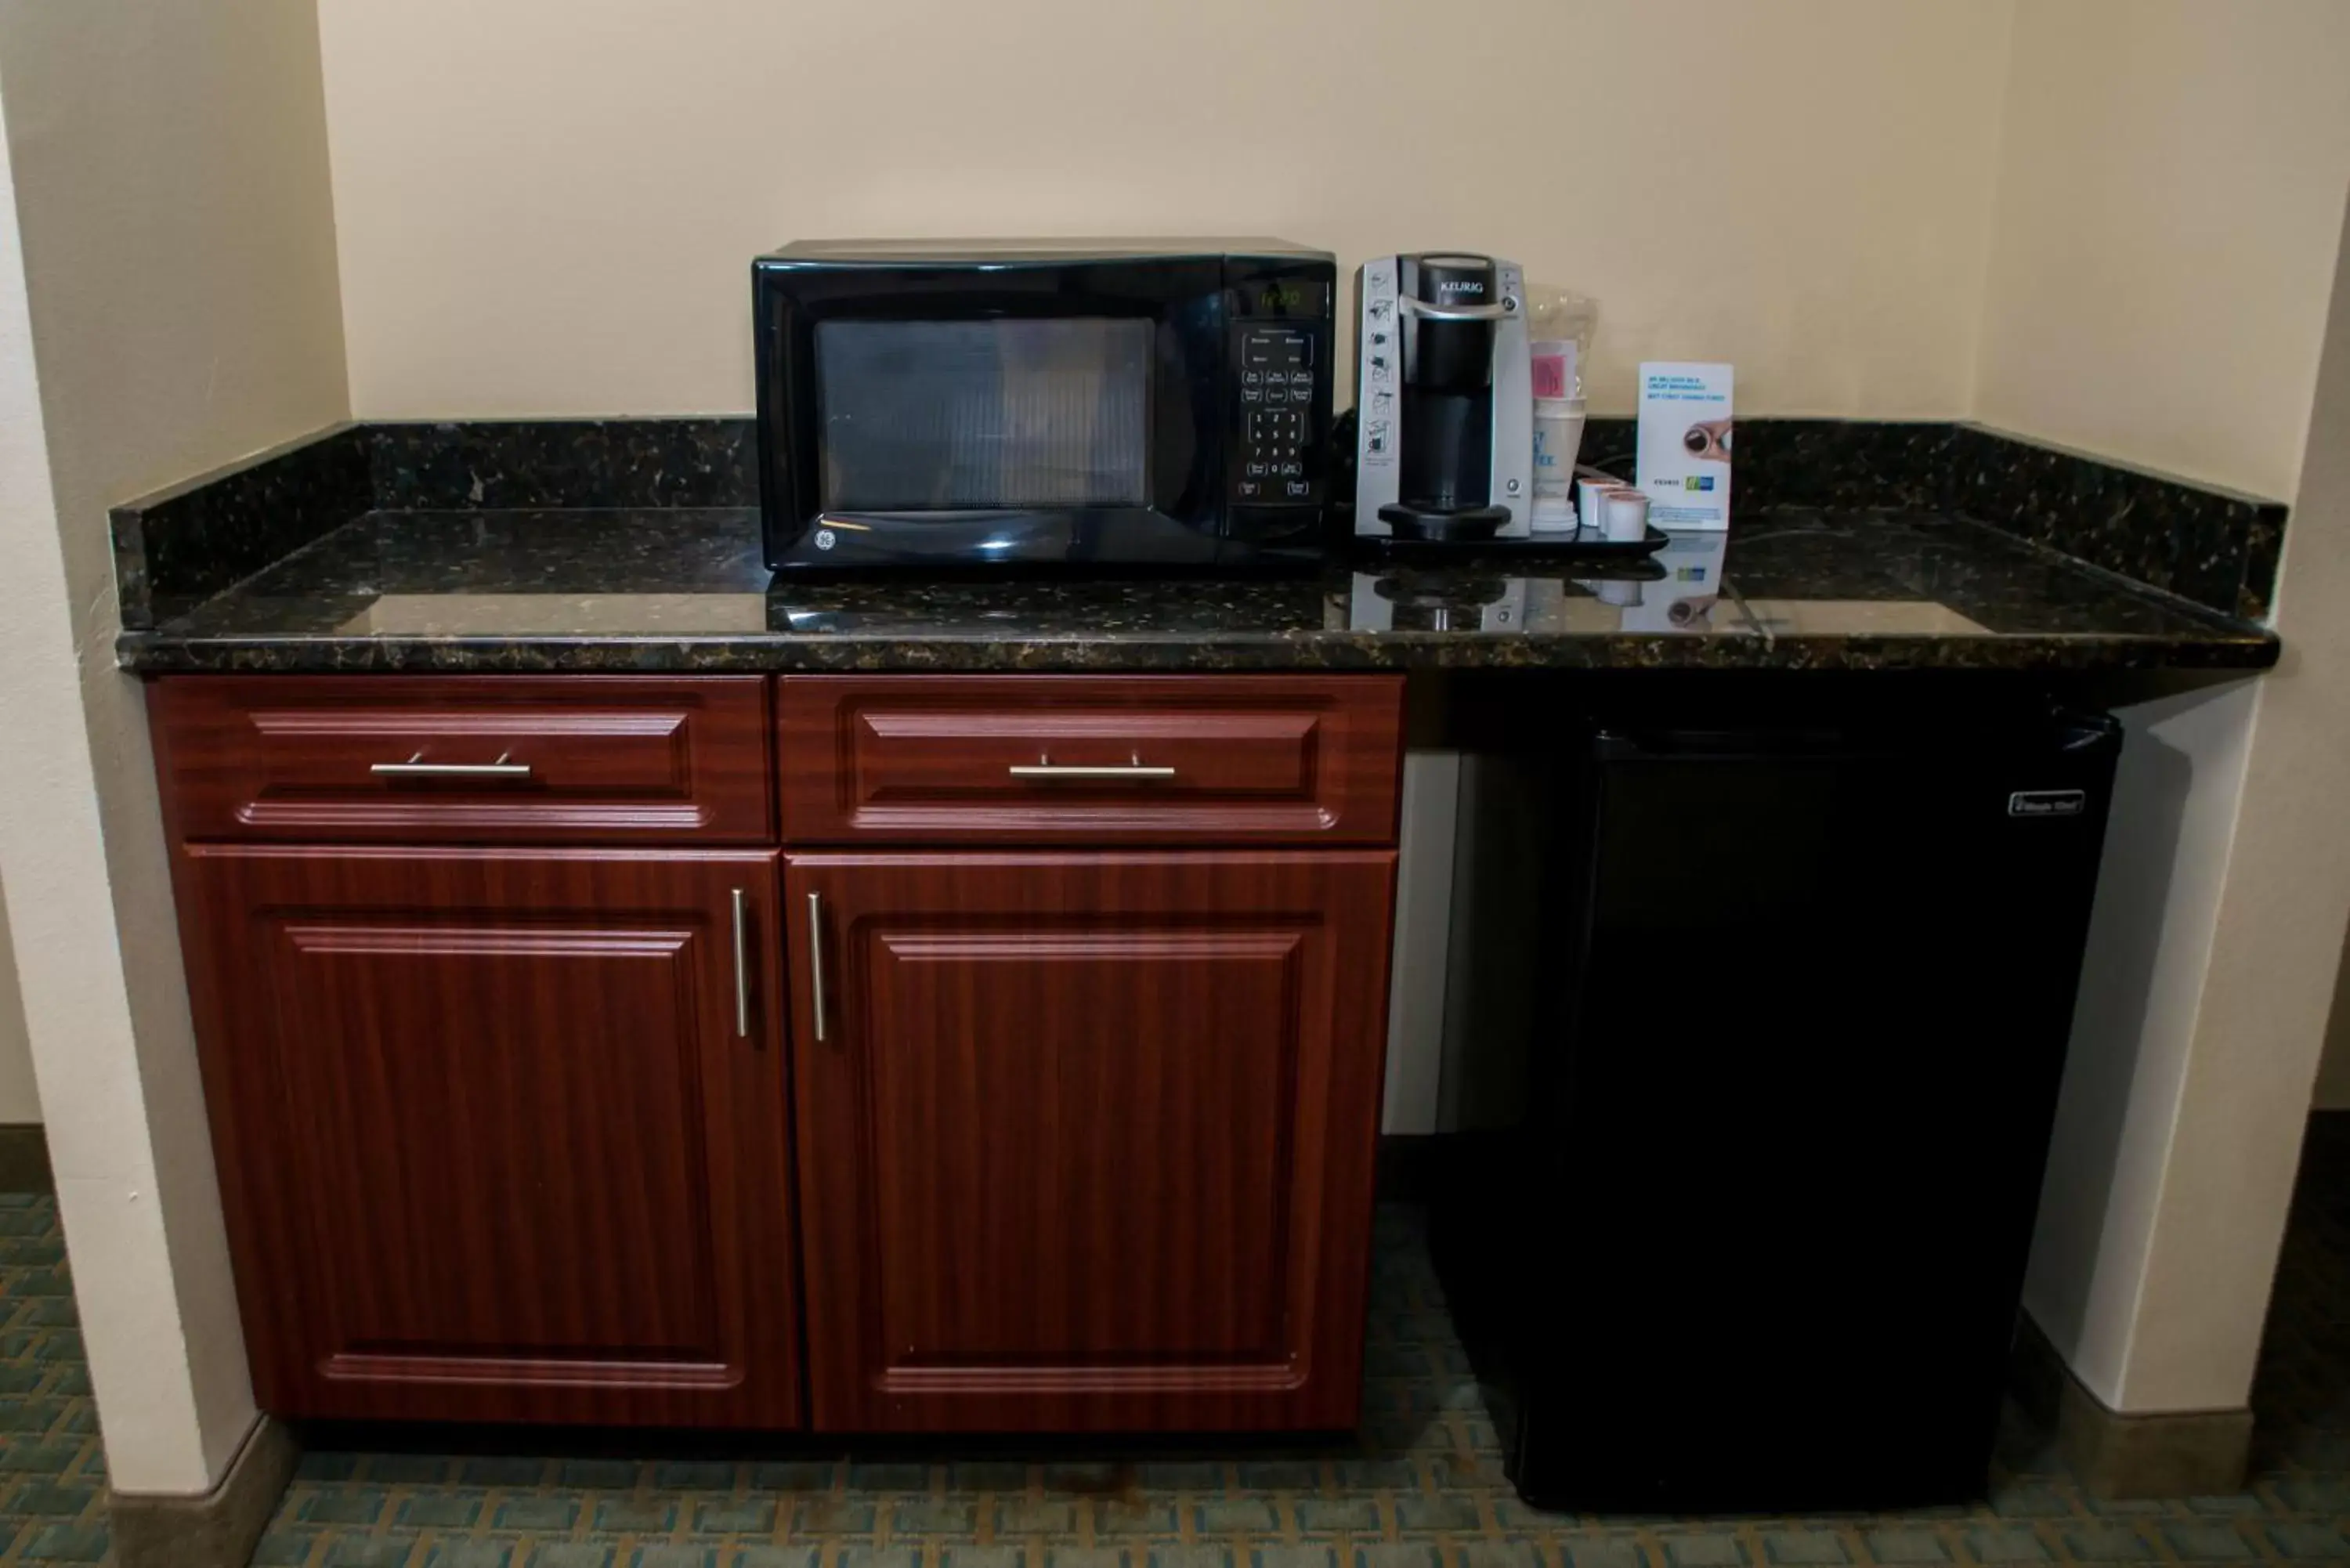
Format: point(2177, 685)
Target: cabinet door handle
point(815, 962)
point(742, 966)
point(1046, 768)
point(416, 768)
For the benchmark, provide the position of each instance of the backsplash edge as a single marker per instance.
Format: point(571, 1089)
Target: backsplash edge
point(2218, 548)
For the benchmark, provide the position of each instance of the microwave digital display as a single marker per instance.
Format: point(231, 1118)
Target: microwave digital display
point(1286, 296)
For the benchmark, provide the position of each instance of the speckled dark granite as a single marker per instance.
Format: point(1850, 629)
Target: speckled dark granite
point(493, 465)
point(2214, 547)
point(684, 589)
point(1881, 464)
point(179, 547)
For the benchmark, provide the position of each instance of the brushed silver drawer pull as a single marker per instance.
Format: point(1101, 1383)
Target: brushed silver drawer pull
point(741, 968)
point(1044, 767)
point(815, 962)
point(416, 767)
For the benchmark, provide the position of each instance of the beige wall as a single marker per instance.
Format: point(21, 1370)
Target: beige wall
point(176, 277)
point(550, 205)
point(2235, 1142)
point(2168, 201)
point(2334, 1069)
point(20, 1102)
point(2165, 240)
point(2174, 810)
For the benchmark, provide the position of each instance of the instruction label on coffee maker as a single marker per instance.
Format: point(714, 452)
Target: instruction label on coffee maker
point(1685, 439)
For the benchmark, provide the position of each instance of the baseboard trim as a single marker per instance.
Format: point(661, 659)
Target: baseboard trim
point(25, 1158)
point(217, 1530)
point(2117, 1455)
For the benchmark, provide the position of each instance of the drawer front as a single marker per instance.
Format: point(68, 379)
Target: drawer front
point(1091, 759)
point(465, 759)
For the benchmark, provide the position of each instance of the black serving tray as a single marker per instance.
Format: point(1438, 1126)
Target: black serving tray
point(1540, 549)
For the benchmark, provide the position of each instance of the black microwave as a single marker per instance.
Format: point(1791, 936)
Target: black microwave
point(960, 405)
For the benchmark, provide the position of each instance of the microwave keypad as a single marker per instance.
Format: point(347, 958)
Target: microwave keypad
point(1277, 414)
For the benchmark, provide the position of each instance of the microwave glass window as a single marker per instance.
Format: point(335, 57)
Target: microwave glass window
point(942, 415)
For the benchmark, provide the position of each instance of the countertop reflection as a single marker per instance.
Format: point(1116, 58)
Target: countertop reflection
point(686, 590)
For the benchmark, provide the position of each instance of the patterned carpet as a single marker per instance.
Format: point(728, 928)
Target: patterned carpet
point(1421, 1488)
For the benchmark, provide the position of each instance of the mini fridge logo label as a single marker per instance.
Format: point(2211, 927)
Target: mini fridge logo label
point(2047, 803)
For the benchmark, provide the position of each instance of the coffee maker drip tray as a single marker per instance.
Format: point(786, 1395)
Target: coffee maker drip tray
point(1464, 524)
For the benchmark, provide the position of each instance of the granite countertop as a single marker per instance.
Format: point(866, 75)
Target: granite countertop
point(683, 587)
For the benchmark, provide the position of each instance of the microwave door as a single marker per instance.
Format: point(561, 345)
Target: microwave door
point(1068, 411)
point(1005, 415)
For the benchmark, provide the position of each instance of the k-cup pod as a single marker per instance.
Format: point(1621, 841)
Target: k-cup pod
point(1616, 591)
point(1625, 517)
point(1591, 501)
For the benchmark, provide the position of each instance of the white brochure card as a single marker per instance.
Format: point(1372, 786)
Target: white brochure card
point(1685, 434)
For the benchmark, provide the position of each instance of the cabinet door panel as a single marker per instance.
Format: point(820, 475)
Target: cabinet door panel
point(498, 1149)
point(1087, 1144)
point(1012, 1078)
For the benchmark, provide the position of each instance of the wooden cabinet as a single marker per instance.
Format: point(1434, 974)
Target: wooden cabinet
point(491, 975)
point(1091, 759)
point(1085, 1139)
point(497, 1139)
point(499, 759)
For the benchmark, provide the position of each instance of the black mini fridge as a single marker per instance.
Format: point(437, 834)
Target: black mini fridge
point(1737, 1220)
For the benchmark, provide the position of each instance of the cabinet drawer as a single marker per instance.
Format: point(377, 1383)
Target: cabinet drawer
point(1091, 759)
point(509, 759)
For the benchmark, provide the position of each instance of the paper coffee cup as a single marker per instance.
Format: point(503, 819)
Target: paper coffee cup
point(1558, 436)
point(1553, 368)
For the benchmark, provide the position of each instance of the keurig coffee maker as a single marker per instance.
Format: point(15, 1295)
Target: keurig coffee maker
point(1444, 431)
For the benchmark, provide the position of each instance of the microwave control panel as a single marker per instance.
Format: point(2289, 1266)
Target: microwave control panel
point(1276, 458)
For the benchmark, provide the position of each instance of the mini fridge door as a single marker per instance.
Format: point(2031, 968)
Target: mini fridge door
point(1792, 1118)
